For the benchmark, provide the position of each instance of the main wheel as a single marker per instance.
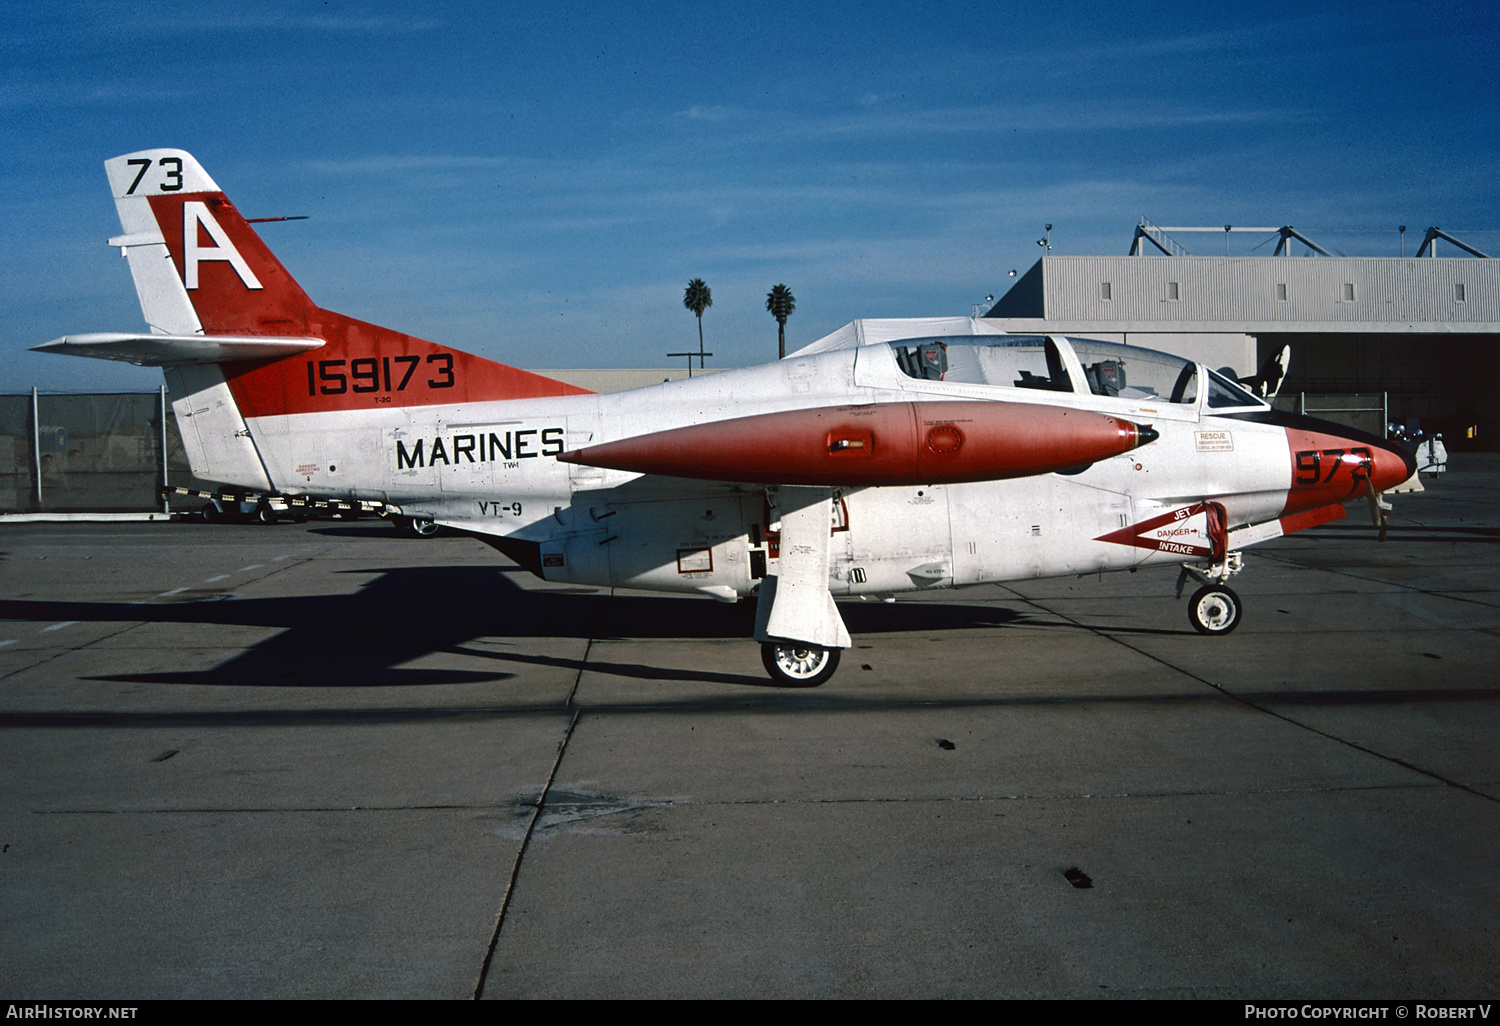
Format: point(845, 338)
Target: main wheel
point(264, 514)
point(797, 665)
point(422, 527)
point(1214, 609)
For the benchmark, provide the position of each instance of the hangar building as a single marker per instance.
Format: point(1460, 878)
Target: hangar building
point(1422, 330)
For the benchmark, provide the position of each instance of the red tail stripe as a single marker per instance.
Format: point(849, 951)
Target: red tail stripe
point(362, 366)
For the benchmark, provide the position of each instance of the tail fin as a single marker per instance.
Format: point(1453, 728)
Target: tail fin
point(200, 269)
point(221, 279)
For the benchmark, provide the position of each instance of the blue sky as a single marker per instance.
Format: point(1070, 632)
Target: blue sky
point(537, 182)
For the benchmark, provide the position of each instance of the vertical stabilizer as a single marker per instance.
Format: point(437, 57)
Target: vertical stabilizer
point(201, 266)
point(201, 271)
point(152, 189)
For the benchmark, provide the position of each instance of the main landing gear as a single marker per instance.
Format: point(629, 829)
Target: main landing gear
point(422, 527)
point(796, 664)
point(1214, 608)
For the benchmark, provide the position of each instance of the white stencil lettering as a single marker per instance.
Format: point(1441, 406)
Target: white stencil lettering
point(194, 213)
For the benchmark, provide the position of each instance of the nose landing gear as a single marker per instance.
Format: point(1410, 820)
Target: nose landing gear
point(1214, 608)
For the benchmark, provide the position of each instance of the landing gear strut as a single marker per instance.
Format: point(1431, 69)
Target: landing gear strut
point(796, 664)
point(1214, 608)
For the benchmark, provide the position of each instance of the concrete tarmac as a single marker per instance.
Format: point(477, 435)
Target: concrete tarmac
point(325, 760)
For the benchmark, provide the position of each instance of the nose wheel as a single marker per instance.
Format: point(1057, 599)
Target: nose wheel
point(1214, 609)
point(794, 664)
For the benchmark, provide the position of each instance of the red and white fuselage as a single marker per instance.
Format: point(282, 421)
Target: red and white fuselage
point(692, 517)
point(937, 460)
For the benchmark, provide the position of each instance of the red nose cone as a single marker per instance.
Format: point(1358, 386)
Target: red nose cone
point(1329, 468)
point(1392, 467)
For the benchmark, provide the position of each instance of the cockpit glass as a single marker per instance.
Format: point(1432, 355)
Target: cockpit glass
point(1130, 373)
point(1035, 361)
point(1224, 393)
point(1020, 361)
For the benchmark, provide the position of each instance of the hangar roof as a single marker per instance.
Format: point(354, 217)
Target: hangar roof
point(1423, 295)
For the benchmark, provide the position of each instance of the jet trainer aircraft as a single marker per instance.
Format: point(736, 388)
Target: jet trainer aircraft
point(893, 456)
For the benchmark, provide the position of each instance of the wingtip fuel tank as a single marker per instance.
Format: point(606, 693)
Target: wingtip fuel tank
point(910, 443)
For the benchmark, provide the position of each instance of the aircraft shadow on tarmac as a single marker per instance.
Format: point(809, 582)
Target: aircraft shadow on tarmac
point(1397, 534)
point(364, 639)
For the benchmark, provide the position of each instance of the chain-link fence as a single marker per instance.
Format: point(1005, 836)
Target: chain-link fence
point(1367, 411)
point(101, 453)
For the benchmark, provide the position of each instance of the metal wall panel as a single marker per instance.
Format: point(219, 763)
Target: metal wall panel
point(1239, 290)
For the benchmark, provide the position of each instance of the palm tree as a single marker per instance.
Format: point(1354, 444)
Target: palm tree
point(781, 303)
point(699, 297)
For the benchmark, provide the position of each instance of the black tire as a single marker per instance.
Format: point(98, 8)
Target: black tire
point(1214, 610)
point(793, 664)
point(423, 527)
point(212, 514)
point(265, 514)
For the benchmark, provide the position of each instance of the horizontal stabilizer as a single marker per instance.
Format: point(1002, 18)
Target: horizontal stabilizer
point(176, 350)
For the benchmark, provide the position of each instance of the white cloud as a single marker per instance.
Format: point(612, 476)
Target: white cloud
point(709, 113)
